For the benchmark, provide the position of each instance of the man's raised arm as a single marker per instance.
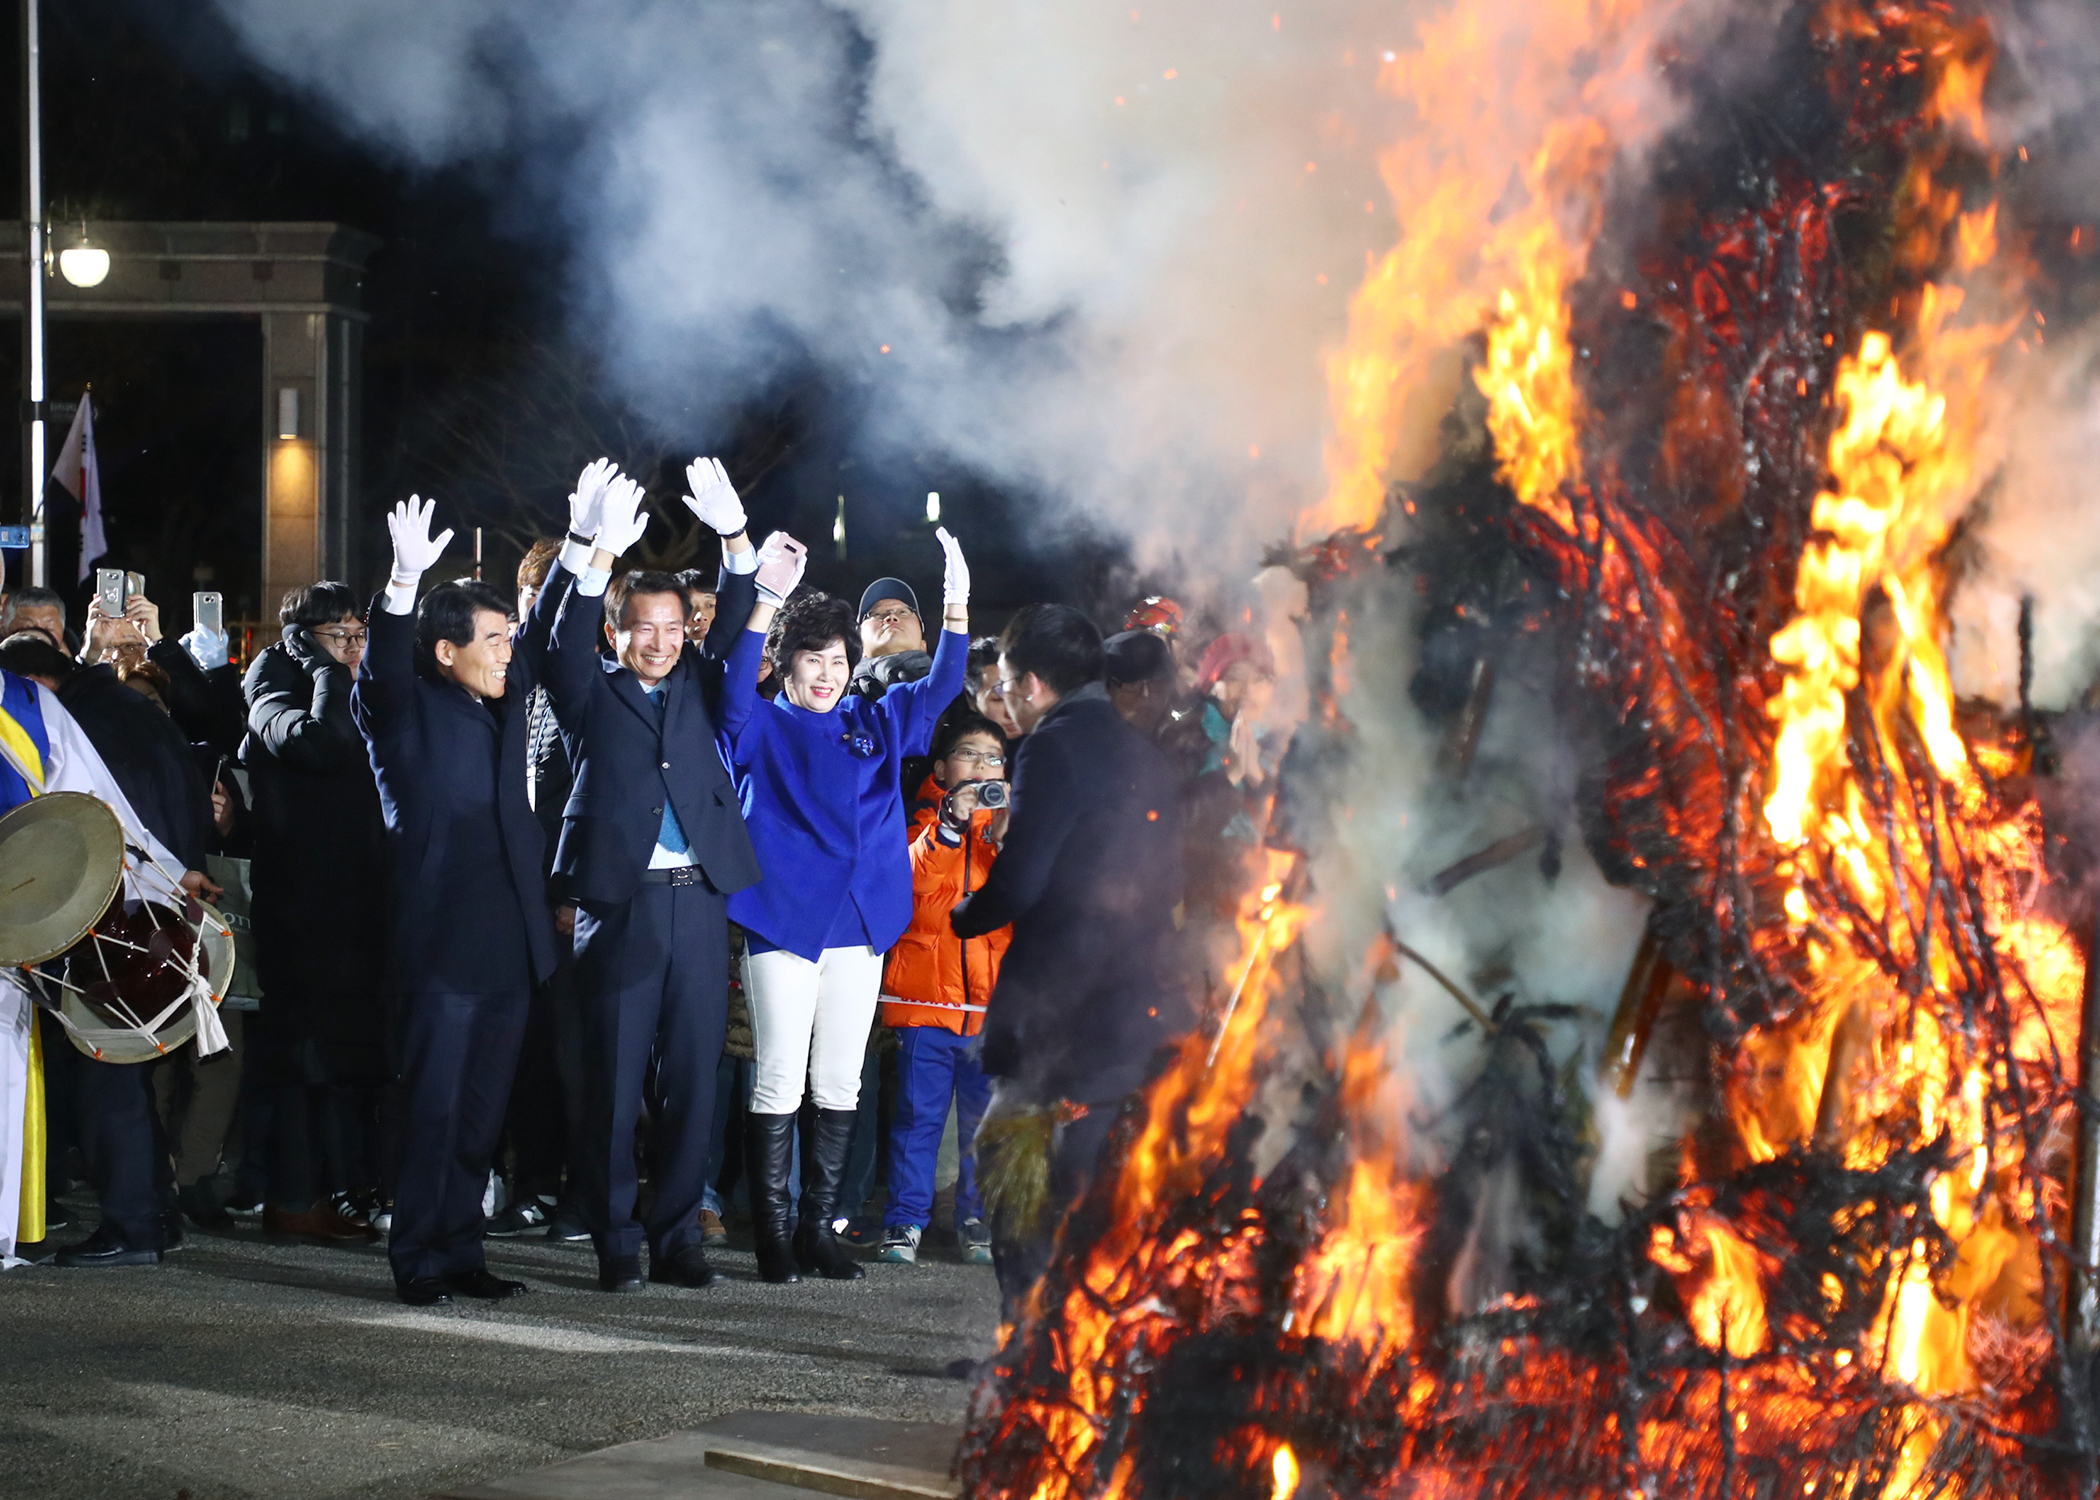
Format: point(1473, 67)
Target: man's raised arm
point(579, 576)
point(713, 501)
point(386, 678)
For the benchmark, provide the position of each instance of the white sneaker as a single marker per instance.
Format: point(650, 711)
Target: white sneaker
point(900, 1244)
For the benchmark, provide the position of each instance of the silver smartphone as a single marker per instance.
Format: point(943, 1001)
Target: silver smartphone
point(208, 611)
point(134, 586)
point(109, 588)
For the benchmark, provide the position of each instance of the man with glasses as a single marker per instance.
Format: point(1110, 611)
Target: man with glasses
point(892, 641)
point(321, 923)
point(892, 650)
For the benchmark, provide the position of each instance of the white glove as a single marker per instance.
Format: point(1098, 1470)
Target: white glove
point(713, 498)
point(414, 548)
point(624, 518)
point(587, 504)
point(207, 648)
point(781, 562)
point(955, 576)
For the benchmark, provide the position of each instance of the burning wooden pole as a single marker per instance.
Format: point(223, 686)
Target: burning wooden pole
point(1853, 1035)
point(1640, 1007)
point(1501, 852)
point(2085, 1210)
point(1462, 737)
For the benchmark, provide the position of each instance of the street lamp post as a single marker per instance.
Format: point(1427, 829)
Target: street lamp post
point(33, 436)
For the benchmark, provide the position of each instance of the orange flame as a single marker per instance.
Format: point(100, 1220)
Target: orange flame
point(1499, 199)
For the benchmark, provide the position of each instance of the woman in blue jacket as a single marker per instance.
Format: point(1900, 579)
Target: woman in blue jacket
point(817, 771)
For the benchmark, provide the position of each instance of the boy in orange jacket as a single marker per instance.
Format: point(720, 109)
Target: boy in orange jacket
point(935, 989)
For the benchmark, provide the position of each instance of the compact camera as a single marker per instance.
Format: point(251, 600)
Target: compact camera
point(993, 794)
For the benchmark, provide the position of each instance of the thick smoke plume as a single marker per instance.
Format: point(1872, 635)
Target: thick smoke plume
point(1102, 246)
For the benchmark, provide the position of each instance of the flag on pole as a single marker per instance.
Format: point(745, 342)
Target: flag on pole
point(78, 471)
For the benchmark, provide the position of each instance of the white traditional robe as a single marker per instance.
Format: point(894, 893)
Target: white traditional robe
point(74, 766)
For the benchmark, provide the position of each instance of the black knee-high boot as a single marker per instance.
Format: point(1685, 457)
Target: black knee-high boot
point(823, 1170)
point(770, 1140)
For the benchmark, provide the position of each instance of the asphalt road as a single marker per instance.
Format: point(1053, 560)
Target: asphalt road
point(245, 1366)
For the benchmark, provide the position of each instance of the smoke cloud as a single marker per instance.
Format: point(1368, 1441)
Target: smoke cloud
point(1092, 251)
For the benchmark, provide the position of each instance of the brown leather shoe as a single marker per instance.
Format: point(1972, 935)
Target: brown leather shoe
point(327, 1222)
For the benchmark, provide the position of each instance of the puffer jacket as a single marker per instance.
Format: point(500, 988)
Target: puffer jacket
point(930, 963)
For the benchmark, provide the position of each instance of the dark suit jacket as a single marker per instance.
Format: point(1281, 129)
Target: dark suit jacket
point(628, 758)
point(451, 771)
point(1089, 878)
point(149, 758)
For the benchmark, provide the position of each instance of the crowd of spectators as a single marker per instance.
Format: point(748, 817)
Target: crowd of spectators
point(910, 947)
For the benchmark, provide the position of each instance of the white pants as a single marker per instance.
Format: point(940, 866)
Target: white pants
point(810, 1020)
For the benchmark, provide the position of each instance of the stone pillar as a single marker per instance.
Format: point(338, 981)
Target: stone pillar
point(311, 367)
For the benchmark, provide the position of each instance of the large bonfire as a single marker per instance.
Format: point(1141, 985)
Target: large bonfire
point(1676, 391)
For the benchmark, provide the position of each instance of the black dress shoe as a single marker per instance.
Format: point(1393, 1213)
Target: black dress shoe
point(424, 1291)
point(621, 1275)
point(687, 1267)
point(202, 1208)
point(479, 1283)
point(105, 1247)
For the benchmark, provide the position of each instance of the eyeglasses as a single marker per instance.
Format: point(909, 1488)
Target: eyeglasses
point(1004, 686)
point(354, 639)
point(892, 616)
point(989, 758)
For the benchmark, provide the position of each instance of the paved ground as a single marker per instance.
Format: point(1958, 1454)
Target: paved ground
point(251, 1367)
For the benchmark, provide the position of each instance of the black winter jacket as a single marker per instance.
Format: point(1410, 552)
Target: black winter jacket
point(1089, 876)
point(321, 911)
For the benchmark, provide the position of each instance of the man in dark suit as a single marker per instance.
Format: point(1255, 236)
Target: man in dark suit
point(1089, 877)
point(439, 701)
point(652, 845)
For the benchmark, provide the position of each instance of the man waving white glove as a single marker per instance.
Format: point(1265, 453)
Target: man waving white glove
point(587, 514)
point(415, 550)
point(713, 498)
point(621, 522)
point(625, 520)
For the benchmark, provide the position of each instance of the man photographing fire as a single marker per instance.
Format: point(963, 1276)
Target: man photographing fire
point(1090, 877)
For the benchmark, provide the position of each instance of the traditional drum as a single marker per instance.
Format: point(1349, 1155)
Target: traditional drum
point(133, 970)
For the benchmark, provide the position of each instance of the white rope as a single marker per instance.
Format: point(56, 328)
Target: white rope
point(933, 1004)
point(196, 991)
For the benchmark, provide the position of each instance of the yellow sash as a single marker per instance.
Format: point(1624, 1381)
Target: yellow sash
point(20, 752)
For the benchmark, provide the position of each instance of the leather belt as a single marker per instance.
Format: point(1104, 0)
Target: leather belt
point(676, 875)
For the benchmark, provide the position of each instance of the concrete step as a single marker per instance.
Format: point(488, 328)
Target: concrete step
point(753, 1455)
